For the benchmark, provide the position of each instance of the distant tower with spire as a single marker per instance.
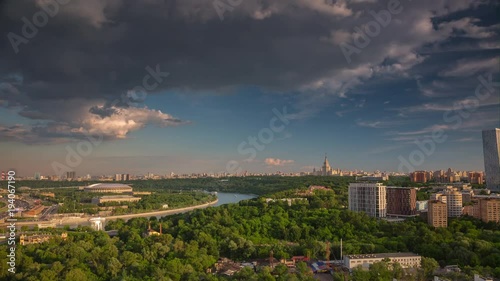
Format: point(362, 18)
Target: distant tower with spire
point(326, 170)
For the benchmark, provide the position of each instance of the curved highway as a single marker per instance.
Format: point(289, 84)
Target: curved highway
point(85, 220)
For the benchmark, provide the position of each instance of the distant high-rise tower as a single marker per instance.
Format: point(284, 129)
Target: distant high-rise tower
point(37, 176)
point(122, 177)
point(369, 198)
point(419, 176)
point(475, 177)
point(454, 203)
point(491, 151)
point(326, 169)
point(70, 175)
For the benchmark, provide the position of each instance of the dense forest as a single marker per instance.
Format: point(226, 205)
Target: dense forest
point(192, 242)
point(251, 229)
point(245, 185)
point(72, 200)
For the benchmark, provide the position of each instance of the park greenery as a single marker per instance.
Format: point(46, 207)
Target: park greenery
point(244, 185)
point(249, 230)
point(72, 200)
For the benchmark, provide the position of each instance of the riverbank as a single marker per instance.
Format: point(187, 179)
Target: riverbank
point(85, 220)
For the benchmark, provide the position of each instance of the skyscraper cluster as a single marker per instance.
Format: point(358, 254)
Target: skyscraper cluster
point(122, 177)
point(452, 200)
point(378, 200)
point(448, 176)
point(70, 175)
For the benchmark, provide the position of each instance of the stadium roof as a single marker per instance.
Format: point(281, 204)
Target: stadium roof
point(108, 185)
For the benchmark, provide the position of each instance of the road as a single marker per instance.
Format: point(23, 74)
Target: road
point(162, 213)
point(85, 220)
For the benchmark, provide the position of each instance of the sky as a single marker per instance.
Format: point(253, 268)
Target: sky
point(161, 86)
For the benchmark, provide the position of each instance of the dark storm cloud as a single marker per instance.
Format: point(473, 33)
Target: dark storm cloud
point(76, 58)
point(102, 111)
point(92, 52)
point(105, 50)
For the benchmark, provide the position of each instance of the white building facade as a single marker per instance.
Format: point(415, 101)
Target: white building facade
point(97, 224)
point(406, 260)
point(369, 198)
point(454, 203)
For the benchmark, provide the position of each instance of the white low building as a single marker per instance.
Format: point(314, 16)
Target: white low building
point(115, 198)
point(406, 260)
point(97, 223)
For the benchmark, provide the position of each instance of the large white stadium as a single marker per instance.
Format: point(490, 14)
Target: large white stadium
point(108, 188)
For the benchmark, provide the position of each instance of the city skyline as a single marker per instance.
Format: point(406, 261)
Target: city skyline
point(250, 140)
point(180, 88)
point(440, 176)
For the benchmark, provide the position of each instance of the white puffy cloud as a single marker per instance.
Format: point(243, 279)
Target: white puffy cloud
point(125, 120)
point(117, 125)
point(277, 162)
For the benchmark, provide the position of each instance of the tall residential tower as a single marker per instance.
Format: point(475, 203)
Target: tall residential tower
point(437, 214)
point(401, 201)
point(491, 151)
point(369, 198)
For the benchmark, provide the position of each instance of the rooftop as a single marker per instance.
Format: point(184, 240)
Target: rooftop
point(116, 196)
point(491, 196)
point(383, 255)
point(108, 185)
